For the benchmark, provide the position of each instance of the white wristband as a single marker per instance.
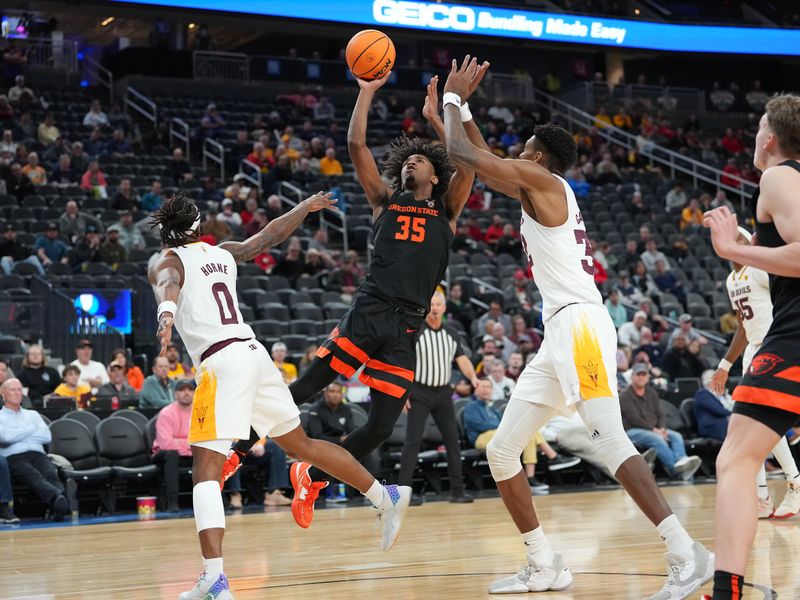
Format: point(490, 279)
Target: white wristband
point(451, 98)
point(466, 115)
point(167, 306)
point(725, 365)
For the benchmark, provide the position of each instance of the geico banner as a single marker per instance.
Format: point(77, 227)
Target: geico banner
point(506, 22)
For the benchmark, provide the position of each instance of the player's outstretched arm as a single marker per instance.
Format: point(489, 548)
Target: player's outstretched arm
point(366, 170)
point(738, 344)
point(777, 189)
point(166, 277)
point(278, 229)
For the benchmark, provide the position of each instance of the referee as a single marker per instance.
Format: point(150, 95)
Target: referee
point(438, 346)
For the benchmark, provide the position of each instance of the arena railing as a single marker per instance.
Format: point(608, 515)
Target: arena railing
point(592, 94)
point(214, 152)
point(675, 162)
point(93, 71)
point(221, 66)
point(292, 195)
point(179, 130)
point(251, 173)
point(50, 52)
point(143, 105)
point(507, 87)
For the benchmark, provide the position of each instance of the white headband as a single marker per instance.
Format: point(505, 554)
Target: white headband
point(175, 236)
point(747, 235)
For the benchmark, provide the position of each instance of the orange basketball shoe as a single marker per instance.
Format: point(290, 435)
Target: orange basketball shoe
point(305, 493)
point(232, 464)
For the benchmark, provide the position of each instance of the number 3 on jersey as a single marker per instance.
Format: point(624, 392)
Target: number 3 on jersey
point(415, 226)
point(581, 237)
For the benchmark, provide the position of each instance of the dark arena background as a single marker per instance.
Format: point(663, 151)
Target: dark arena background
point(107, 109)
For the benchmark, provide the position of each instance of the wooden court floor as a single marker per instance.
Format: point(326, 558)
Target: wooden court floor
point(444, 551)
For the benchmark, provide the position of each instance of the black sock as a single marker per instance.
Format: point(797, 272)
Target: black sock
point(727, 586)
point(242, 447)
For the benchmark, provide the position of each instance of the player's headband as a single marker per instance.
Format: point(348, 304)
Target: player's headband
point(747, 235)
point(176, 236)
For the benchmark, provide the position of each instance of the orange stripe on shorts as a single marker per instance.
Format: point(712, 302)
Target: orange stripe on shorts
point(342, 367)
point(353, 350)
point(382, 366)
point(382, 386)
point(792, 374)
point(764, 397)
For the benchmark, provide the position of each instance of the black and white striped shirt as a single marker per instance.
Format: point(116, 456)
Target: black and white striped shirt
point(436, 350)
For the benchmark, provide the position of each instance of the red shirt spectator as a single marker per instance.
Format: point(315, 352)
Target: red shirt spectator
point(495, 231)
point(475, 200)
point(172, 428)
point(474, 229)
point(732, 143)
point(731, 169)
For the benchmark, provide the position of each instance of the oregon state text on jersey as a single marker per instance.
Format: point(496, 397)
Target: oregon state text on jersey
point(411, 241)
point(561, 258)
point(208, 308)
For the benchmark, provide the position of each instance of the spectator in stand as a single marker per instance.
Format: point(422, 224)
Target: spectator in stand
point(486, 355)
point(17, 183)
point(23, 434)
point(721, 199)
point(626, 287)
point(495, 230)
point(94, 180)
point(179, 168)
point(498, 332)
point(287, 369)
point(329, 165)
point(36, 376)
point(12, 251)
point(257, 223)
point(49, 248)
point(177, 369)
point(629, 334)
point(73, 222)
point(215, 121)
point(78, 158)
point(124, 199)
point(87, 250)
point(153, 199)
point(720, 98)
point(631, 256)
point(171, 449)
point(218, 229)
point(651, 256)
point(615, 309)
point(692, 216)
point(93, 373)
point(518, 296)
point(694, 348)
point(344, 279)
point(158, 390)
point(711, 410)
point(623, 120)
point(256, 157)
point(324, 109)
point(667, 282)
point(509, 137)
point(210, 192)
point(643, 280)
point(7, 516)
point(601, 118)
point(282, 171)
point(495, 313)
point(731, 170)
point(117, 385)
point(250, 207)
point(728, 323)
point(607, 171)
point(233, 219)
point(654, 352)
point(500, 112)
point(111, 251)
point(757, 98)
point(502, 386)
point(25, 129)
point(685, 328)
point(130, 236)
point(645, 425)
point(679, 362)
point(458, 309)
point(95, 117)
point(63, 174)
point(509, 242)
point(133, 373)
point(34, 171)
point(119, 146)
point(71, 387)
point(525, 338)
point(48, 133)
point(19, 94)
point(292, 261)
point(96, 145)
point(676, 198)
point(516, 364)
point(8, 147)
point(732, 143)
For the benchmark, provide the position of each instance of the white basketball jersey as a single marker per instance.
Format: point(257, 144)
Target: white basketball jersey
point(563, 267)
point(748, 291)
point(208, 308)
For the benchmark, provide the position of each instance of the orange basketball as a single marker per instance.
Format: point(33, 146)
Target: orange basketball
point(370, 54)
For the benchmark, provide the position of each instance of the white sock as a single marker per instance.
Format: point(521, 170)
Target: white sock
point(785, 459)
point(676, 537)
point(213, 567)
point(761, 484)
point(378, 496)
point(538, 548)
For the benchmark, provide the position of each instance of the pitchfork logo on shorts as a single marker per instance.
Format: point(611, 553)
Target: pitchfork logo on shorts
point(200, 411)
point(764, 363)
point(592, 371)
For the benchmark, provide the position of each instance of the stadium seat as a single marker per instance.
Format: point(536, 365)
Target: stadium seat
point(132, 415)
point(89, 419)
point(121, 446)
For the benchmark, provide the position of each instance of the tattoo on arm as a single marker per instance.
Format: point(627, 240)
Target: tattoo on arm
point(459, 147)
point(273, 234)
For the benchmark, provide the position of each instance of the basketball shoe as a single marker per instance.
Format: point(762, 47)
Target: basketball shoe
point(535, 578)
point(232, 464)
point(208, 589)
point(306, 493)
point(391, 515)
point(684, 577)
point(791, 503)
point(766, 507)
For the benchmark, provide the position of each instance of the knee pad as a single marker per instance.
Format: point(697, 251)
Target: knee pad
point(504, 462)
point(612, 443)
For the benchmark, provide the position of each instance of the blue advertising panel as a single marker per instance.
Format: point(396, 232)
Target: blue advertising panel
point(511, 23)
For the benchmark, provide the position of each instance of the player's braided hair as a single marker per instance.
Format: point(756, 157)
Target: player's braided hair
point(558, 145)
point(178, 218)
point(404, 147)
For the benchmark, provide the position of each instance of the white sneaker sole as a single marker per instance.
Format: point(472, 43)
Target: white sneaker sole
point(400, 514)
point(562, 582)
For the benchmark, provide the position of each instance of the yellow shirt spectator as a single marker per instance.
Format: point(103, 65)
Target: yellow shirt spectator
point(329, 164)
point(35, 173)
point(691, 215)
point(66, 391)
point(623, 120)
point(602, 119)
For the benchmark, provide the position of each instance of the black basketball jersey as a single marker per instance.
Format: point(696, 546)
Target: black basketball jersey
point(411, 240)
point(785, 291)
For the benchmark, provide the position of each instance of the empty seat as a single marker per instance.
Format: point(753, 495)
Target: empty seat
point(89, 419)
point(121, 446)
point(132, 415)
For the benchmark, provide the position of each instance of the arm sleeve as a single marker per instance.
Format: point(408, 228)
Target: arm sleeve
point(8, 436)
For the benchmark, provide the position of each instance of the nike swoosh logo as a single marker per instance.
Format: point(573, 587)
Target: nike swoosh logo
point(411, 330)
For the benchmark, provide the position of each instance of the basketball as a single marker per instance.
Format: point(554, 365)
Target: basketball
point(370, 54)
